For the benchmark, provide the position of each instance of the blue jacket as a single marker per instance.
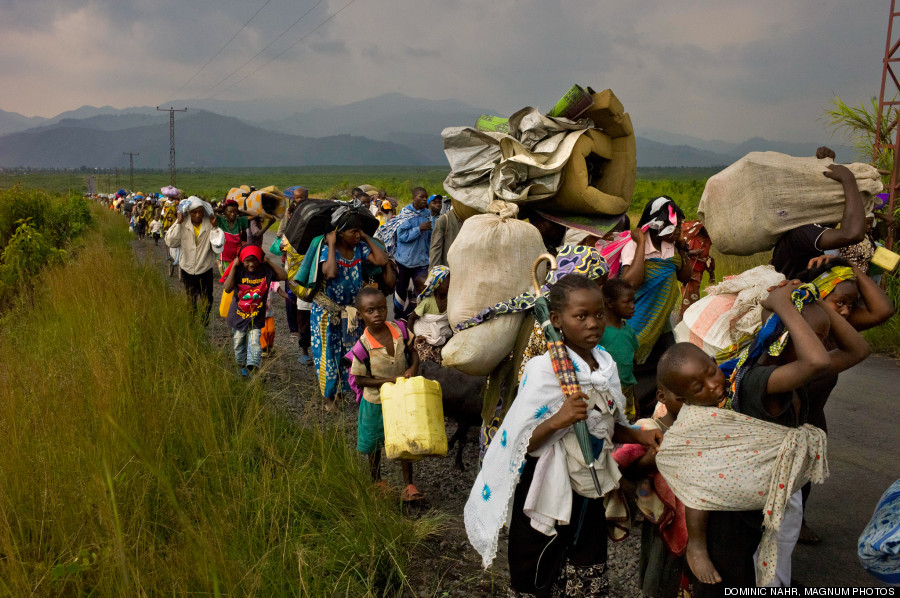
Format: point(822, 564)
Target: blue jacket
point(413, 245)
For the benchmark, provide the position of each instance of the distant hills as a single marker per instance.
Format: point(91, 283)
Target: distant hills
point(392, 129)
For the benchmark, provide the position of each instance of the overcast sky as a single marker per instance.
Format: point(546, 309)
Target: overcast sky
point(711, 68)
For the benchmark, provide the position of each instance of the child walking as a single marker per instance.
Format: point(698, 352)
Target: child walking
point(557, 537)
point(156, 230)
point(267, 336)
point(620, 340)
point(249, 276)
point(390, 356)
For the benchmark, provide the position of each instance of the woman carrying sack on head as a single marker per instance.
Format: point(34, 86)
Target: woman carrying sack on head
point(343, 257)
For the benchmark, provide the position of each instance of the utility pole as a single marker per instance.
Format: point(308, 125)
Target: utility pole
point(171, 112)
point(131, 156)
point(887, 103)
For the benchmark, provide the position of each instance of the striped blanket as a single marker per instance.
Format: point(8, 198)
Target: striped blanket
point(654, 302)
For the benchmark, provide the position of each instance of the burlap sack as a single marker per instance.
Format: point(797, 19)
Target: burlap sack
point(490, 261)
point(749, 205)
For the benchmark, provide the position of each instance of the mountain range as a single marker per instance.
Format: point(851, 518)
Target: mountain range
point(391, 129)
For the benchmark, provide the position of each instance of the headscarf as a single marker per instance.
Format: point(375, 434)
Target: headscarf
point(826, 281)
point(251, 250)
point(230, 202)
point(435, 278)
point(289, 192)
point(662, 215)
point(192, 203)
point(571, 259)
point(349, 217)
point(772, 338)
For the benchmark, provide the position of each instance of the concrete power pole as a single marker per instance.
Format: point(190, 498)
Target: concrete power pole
point(171, 112)
point(131, 156)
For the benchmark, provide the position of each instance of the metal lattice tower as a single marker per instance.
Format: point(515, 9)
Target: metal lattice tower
point(886, 107)
point(131, 156)
point(171, 112)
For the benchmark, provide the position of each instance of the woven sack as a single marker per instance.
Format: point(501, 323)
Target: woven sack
point(749, 205)
point(491, 262)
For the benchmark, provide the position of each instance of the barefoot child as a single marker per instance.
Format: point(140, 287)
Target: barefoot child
point(534, 463)
point(768, 384)
point(390, 356)
point(249, 276)
point(620, 340)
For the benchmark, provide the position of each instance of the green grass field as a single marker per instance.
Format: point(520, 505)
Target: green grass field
point(135, 462)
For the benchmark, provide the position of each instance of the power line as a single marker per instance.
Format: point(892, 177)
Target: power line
point(231, 39)
point(279, 55)
point(229, 75)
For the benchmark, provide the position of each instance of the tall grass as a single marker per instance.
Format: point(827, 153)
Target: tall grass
point(134, 462)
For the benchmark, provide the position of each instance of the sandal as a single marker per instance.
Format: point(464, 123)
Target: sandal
point(382, 488)
point(411, 494)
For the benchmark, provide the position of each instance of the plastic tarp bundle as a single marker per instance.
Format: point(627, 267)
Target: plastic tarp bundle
point(586, 166)
point(730, 310)
point(749, 205)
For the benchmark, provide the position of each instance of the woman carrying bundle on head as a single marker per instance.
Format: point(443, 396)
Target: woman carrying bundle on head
point(343, 256)
point(655, 263)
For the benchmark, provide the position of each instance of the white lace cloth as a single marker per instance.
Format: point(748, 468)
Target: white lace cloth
point(560, 467)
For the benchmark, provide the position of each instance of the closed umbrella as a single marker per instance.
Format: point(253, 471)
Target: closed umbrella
point(562, 364)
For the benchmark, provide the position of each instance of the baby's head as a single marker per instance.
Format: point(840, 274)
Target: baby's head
point(372, 306)
point(685, 374)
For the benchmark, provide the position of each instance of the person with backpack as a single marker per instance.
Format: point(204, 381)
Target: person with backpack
point(383, 354)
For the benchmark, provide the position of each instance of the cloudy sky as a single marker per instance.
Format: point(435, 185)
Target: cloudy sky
point(711, 68)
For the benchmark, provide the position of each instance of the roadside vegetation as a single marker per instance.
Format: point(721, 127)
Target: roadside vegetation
point(134, 462)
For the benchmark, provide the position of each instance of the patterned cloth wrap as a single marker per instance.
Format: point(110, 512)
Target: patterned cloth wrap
point(720, 460)
point(771, 338)
point(826, 281)
point(879, 543)
point(435, 278)
point(654, 301)
point(571, 259)
point(387, 232)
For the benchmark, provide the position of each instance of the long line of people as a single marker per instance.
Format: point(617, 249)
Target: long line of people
point(615, 309)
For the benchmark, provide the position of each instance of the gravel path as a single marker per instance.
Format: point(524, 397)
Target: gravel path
point(445, 564)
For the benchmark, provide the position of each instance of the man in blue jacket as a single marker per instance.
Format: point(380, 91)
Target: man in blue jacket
point(413, 246)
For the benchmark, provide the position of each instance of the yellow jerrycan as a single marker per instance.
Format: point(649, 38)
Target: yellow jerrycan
point(413, 419)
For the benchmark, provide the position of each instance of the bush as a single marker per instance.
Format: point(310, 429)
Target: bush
point(35, 229)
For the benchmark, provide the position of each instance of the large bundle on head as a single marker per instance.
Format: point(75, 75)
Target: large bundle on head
point(490, 261)
point(749, 205)
point(578, 159)
point(311, 219)
point(238, 194)
point(730, 311)
point(266, 202)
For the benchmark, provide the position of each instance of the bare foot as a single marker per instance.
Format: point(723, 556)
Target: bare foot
point(807, 536)
point(701, 566)
point(330, 405)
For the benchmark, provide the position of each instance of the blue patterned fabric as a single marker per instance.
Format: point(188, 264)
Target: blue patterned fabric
point(879, 544)
point(330, 341)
